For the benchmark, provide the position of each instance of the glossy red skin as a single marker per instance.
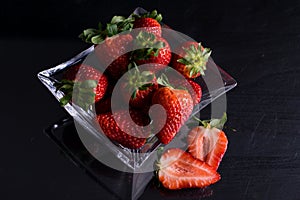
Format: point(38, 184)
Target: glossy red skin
point(180, 53)
point(178, 105)
point(108, 52)
point(159, 62)
point(179, 169)
point(84, 72)
point(111, 129)
point(143, 98)
point(196, 93)
point(193, 87)
point(150, 25)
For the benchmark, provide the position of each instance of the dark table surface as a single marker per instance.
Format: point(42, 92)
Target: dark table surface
point(257, 42)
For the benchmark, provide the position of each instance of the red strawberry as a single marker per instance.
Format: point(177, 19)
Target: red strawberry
point(139, 87)
point(178, 105)
point(86, 82)
point(208, 143)
point(108, 52)
point(111, 44)
point(193, 87)
point(149, 22)
point(196, 93)
point(179, 169)
point(127, 135)
point(151, 50)
point(190, 59)
point(143, 96)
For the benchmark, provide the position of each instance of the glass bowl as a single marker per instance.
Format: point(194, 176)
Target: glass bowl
point(133, 159)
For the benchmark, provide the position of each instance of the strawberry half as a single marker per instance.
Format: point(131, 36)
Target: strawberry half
point(83, 84)
point(127, 135)
point(152, 50)
point(149, 22)
point(208, 143)
point(179, 169)
point(190, 59)
point(178, 105)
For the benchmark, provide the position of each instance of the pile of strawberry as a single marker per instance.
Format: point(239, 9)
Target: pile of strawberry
point(144, 84)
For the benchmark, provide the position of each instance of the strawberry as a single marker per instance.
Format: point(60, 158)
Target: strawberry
point(178, 105)
point(149, 22)
point(179, 169)
point(139, 87)
point(111, 45)
point(193, 87)
point(190, 59)
point(87, 83)
point(143, 96)
point(196, 92)
point(108, 52)
point(152, 50)
point(127, 135)
point(208, 143)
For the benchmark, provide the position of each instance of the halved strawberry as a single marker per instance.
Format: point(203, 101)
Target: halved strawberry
point(84, 84)
point(190, 59)
point(178, 105)
point(208, 143)
point(127, 135)
point(179, 169)
point(152, 50)
point(149, 22)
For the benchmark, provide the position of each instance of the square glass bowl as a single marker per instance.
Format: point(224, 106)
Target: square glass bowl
point(133, 159)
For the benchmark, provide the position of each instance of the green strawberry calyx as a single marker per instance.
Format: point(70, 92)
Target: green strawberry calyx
point(164, 81)
point(147, 45)
point(213, 123)
point(81, 92)
point(117, 25)
point(195, 59)
point(153, 14)
point(137, 80)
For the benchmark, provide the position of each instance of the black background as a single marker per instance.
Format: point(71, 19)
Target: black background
point(257, 42)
